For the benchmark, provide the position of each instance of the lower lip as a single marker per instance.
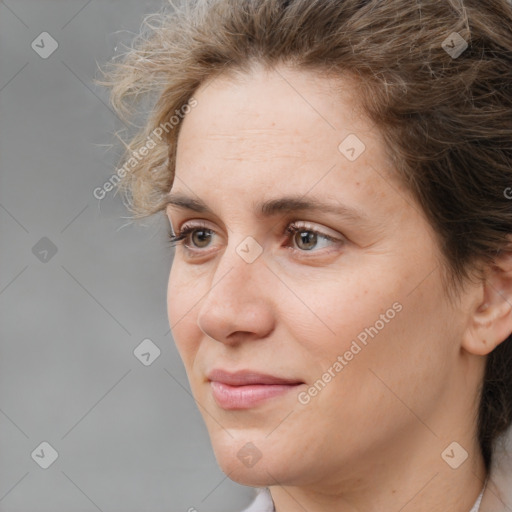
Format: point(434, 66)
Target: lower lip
point(245, 397)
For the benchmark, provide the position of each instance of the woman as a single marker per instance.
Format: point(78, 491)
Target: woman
point(337, 179)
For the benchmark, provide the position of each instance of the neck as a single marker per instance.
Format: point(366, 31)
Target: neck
point(412, 478)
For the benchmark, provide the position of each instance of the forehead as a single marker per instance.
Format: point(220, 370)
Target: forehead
point(284, 132)
point(274, 120)
point(252, 103)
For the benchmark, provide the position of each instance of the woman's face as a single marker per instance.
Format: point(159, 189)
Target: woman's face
point(350, 310)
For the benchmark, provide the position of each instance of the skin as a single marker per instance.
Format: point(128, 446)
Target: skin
point(372, 438)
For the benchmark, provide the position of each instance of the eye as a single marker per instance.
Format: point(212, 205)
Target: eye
point(307, 238)
point(197, 237)
point(189, 231)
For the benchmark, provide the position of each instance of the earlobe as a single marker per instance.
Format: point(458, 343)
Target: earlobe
point(491, 319)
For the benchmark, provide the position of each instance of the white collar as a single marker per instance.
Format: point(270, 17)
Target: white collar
point(263, 502)
point(476, 506)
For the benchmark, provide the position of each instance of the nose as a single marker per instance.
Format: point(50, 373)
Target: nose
point(238, 305)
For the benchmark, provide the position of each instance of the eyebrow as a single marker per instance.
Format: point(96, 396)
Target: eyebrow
point(274, 207)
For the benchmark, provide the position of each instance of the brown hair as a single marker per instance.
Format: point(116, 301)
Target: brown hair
point(446, 118)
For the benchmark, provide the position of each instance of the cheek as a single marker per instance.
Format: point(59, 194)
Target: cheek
point(184, 291)
point(175, 287)
point(182, 297)
point(174, 306)
point(363, 376)
point(335, 311)
point(373, 323)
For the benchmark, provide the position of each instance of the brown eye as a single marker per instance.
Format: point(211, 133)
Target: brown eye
point(196, 236)
point(200, 237)
point(305, 240)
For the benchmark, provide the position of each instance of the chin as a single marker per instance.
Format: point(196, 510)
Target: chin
point(251, 460)
point(250, 477)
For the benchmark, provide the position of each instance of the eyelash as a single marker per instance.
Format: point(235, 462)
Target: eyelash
point(291, 230)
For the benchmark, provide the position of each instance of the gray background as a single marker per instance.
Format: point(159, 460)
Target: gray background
point(129, 437)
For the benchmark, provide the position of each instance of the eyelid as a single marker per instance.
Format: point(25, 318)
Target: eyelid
point(305, 225)
point(198, 224)
point(290, 230)
point(193, 223)
point(308, 226)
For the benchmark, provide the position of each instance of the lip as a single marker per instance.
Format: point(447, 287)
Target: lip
point(246, 388)
point(246, 377)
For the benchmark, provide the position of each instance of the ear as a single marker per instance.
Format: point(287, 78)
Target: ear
point(491, 316)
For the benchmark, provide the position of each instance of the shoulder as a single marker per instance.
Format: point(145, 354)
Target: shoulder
point(498, 494)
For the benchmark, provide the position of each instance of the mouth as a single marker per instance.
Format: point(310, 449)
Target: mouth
point(246, 388)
